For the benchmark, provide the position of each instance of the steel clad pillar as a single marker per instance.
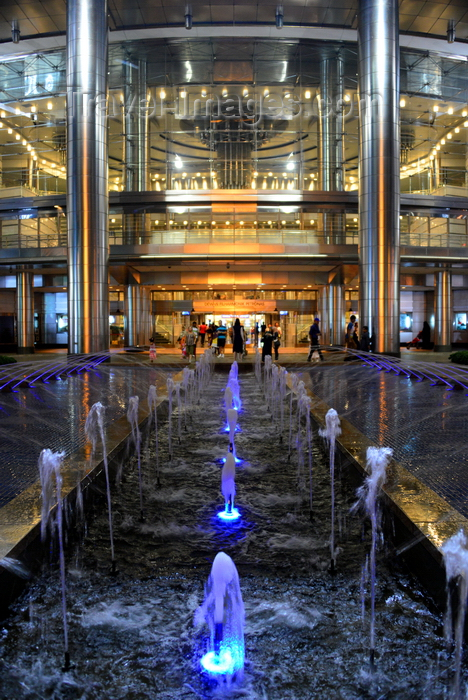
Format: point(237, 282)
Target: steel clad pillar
point(337, 317)
point(87, 186)
point(443, 311)
point(138, 326)
point(331, 138)
point(136, 144)
point(324, 314)
point(379, 172)
point(25, 312)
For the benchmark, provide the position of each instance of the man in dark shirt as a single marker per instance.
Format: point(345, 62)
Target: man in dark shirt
point(222, 331)
point(267, 343)
point(314, 334)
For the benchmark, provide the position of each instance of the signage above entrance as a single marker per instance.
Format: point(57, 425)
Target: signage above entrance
point(234, 306)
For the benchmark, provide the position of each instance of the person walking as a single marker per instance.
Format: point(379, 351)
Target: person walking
point(276, 339)
point(314, 335)
point(195, 331)
point(202, 328)
point(267, 343)
point(152, 351)
point(190, 340)
point(425, 335)
point(238, 340)
point(222, 332)
point(365, 339)
point(349, 341)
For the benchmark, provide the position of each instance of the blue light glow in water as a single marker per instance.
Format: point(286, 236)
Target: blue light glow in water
point(238, 461)
point(226, 662)
point(233, 515)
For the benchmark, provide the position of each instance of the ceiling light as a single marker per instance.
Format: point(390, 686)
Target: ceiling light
point(49, 105)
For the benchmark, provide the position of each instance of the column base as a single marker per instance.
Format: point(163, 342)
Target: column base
point(25, 351)
point(442, 348)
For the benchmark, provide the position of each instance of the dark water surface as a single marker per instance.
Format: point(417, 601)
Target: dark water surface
point(132, 636)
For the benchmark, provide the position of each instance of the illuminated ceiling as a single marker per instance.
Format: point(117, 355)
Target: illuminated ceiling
point(416, 16)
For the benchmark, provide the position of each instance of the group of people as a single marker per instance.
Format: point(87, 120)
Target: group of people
point(352, 339)
point(216, 335)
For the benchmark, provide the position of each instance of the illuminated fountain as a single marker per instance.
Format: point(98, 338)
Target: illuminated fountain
point(455, 554)
point(331, 431)
point(94, 428)
point(152, 405)
point(228, 489)
point(222, 613)
point(378, 459)
point(132, 417)
point(50, 464)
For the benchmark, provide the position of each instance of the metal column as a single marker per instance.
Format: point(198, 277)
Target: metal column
point(443, 311)
point(337, 316)
point(136, 144)
point(324, 311)
point(25, 312)
point(331, 137)
point(379, 172)
point(87, 186)
point(138, 326)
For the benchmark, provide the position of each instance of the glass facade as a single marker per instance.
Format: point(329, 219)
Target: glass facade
point(210, 115)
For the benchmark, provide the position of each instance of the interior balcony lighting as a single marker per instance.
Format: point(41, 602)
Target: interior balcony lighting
point(227, 223)
point(270, 174)
point(63, 168)
point(203, 92)
point(442, 142)
point(33, 108)
point(457, 130)
point(435, 108)
point(183, 94)
point(347, 97)
point(34, 157)
point(307, 94)
point(438, 147)
point(298, 221)
point(431, 157)
point(1, 125)
point(449, 136)
point(465, 123)
point(266, 92)
point(17, 110)
point(402, 102)
point(225, 92)
point(255, 174)
point(245, 92)
point(17, 137)
point(198, 174)
point(24, 142)
point(3, 115)
point(44, 162)
point(49, 105)
point(450, 110)
point(184, 174)
point(29, 147)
